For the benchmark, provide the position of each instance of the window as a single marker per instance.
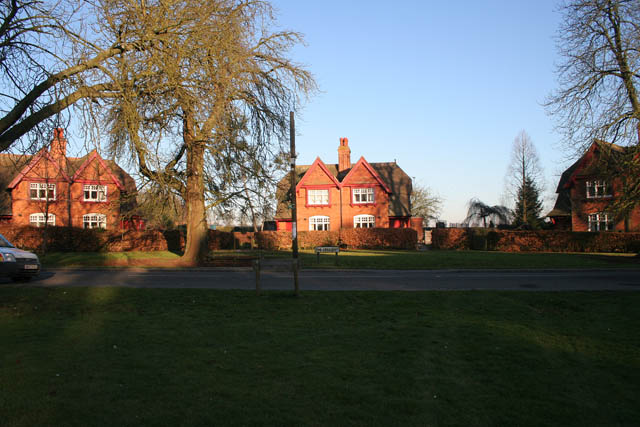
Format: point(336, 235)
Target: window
point(600, 222)
point(38, 219)
point(362, 195)
point(42, 191)
point(95, 193)
point(93, 220)
point(319, 223)
point(364, 221)
point(318, 197)
point(597, 189)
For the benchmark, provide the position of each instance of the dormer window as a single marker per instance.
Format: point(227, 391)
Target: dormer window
point(95, 193)
point(598, 189)
point(318, 197)
point(363, 195)
point(42, 191)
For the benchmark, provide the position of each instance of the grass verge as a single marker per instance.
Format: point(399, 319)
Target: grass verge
point(430, 260)
point(121, 356)
point(367, 259)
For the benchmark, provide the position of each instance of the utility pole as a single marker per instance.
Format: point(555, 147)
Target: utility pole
point(294, 213)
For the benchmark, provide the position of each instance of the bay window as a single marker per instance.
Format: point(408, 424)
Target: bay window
point(364, 221)
point(94, 220)
point(319, 223)
point(600, 222)
point(40, 219)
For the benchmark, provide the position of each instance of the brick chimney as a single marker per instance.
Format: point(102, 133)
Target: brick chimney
point(58, 148)
point(344, 155)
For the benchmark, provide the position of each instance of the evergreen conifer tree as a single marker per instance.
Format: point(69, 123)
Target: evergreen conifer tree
point(528, 205)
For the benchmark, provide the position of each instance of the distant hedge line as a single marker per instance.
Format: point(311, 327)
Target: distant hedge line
point(534, 241)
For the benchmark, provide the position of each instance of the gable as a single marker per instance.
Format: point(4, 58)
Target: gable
point(94, 169)
point(41, 167)
point(587, 164)
point(317, 174)
point(362, 173)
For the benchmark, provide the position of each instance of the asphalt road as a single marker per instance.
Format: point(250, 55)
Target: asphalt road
point(349, 280)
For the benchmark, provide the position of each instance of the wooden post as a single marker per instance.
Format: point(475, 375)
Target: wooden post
point(294, 213)
point(256, 267)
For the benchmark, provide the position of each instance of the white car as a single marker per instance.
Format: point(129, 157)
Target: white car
point(18, 264)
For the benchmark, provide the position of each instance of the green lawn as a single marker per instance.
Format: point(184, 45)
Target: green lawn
point(468, 259)
point(119, 356)
point(371, 259)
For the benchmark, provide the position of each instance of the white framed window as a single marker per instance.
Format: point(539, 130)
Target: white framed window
point(318, 197)
point(363, 195)
point(364, 221)
point(95, 193)
point(597, 189)
point(600, 222)
point(42, 191)
point(40, 219)
point(94, 220)
point(319, 223)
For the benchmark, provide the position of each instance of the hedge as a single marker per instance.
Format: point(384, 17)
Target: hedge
point(355, 238)
point(534, 241)
point(70, 239)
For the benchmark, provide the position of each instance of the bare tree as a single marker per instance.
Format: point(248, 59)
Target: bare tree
point(598, 99)
point(524, 180)
point(210, 93)
point(599, 41)
point(425, 203)
point(51, 58)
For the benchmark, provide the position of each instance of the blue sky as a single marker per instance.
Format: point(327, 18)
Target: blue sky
point(442, 87)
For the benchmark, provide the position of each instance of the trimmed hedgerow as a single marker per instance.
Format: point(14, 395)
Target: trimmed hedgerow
point(357, 238)
point(70, 239)
point(534, 241)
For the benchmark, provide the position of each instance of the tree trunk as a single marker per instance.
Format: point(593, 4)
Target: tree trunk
point(524, 196)
point(197, 246)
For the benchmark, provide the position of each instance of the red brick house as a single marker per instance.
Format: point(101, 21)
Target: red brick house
point(584, 195)
point(88, 192)
point(346, 195)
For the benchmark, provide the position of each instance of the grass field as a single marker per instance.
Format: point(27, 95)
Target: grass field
point(371, 259)
point(118, 356)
